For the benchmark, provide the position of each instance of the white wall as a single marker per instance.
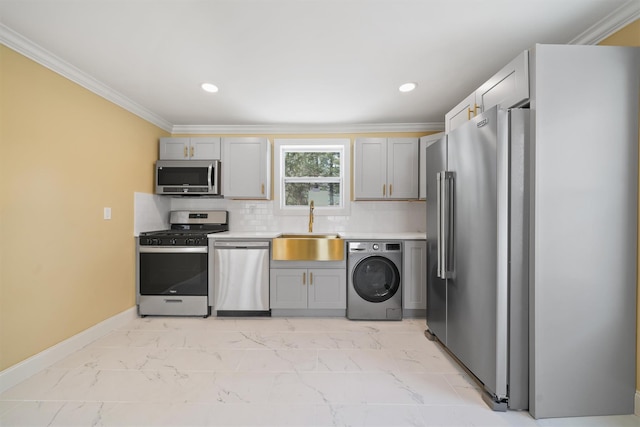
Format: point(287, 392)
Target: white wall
point(150, 212)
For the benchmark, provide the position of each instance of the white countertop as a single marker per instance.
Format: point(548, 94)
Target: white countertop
point(393, 235)
point(370, 235)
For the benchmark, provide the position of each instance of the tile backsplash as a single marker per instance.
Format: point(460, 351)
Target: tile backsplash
point(152, 213)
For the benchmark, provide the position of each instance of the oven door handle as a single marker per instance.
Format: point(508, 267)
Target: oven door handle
point(173, 250)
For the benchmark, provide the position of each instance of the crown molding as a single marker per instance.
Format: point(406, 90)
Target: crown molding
point(307, 128)
point(616, 20)
point(29, 49)
point(26, 47)
point(624, 15)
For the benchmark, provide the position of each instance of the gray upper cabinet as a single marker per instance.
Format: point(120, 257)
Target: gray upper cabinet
point(461, 113)
point(370, 168)
point(199, 148)
point(246, 168)
point(509, 87)
point(386, 169)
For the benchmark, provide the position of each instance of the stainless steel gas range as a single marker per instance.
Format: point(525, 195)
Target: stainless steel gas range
point(173, 276)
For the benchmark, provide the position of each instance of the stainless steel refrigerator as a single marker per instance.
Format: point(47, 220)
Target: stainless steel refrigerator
point(532, 238)
point(477, 295)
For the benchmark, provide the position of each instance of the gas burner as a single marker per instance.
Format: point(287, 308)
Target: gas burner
point(187, 229)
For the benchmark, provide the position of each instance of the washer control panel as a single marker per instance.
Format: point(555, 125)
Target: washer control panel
point(373, 247)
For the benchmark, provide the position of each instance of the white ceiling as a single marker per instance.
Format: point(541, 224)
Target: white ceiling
point(294, 63)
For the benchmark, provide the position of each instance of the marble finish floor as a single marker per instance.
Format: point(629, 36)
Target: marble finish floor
point(163, 371)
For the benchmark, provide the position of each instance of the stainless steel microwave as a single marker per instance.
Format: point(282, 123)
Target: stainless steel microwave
point(188, 177)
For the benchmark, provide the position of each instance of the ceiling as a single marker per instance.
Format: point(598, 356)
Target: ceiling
point(294, 63)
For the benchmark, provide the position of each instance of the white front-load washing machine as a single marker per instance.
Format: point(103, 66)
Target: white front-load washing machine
point(374, 283)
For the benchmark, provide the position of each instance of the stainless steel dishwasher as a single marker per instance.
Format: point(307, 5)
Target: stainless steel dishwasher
point(241, 271)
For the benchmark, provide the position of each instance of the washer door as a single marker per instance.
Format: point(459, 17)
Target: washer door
point(376, 279)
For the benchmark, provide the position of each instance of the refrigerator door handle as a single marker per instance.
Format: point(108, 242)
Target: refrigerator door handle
point(439, 187)
point(445, 224)
point(450, 183)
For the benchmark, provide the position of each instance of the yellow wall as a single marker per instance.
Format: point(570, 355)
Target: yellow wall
point(630, 36)
point(65, 154)
point(627, 36)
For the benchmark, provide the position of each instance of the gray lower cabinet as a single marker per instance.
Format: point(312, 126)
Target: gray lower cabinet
point(414, 268)
point(312, 288)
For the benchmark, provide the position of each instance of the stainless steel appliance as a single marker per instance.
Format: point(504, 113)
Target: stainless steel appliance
point(173, 275)
point(241, 278)
point(374, 280)
point(471, 285)
point(188, 177)
point(531, 232)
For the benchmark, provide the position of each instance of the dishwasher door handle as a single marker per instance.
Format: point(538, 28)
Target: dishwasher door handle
point(241, 245)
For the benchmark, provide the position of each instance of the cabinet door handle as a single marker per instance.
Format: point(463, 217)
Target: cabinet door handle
point(310, 278)
point(186, 153)
point(262, 189)
point(391, 189)
point(192, 151)
point(304, 278)
point(384, 189)
point(474, 111)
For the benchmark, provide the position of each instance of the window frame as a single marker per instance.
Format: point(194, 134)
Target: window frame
point(341, 145)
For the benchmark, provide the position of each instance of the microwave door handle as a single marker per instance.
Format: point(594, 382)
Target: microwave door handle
point(209, 176)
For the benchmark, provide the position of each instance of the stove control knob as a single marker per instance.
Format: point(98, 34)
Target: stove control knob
point(190, 242)
point(375, 246)
point(196, 241)
point(172, 241)
point(155, 242)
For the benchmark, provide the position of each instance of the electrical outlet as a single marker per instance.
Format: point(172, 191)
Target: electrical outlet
point(107, 213)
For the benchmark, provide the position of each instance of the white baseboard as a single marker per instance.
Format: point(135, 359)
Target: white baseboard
point(637, 403)
point(36, 363)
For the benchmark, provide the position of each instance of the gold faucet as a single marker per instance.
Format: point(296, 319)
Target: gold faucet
point(311, 217)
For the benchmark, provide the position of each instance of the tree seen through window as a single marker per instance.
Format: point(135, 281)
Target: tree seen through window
point(312, 175)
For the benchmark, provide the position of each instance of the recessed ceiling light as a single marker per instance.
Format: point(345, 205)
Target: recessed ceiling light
point(208, 87)
point(407, 87)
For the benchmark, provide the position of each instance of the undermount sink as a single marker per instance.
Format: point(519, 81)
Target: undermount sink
point(307, 247)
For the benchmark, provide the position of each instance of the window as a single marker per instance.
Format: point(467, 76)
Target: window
point(312, 170)
point(311, 175)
